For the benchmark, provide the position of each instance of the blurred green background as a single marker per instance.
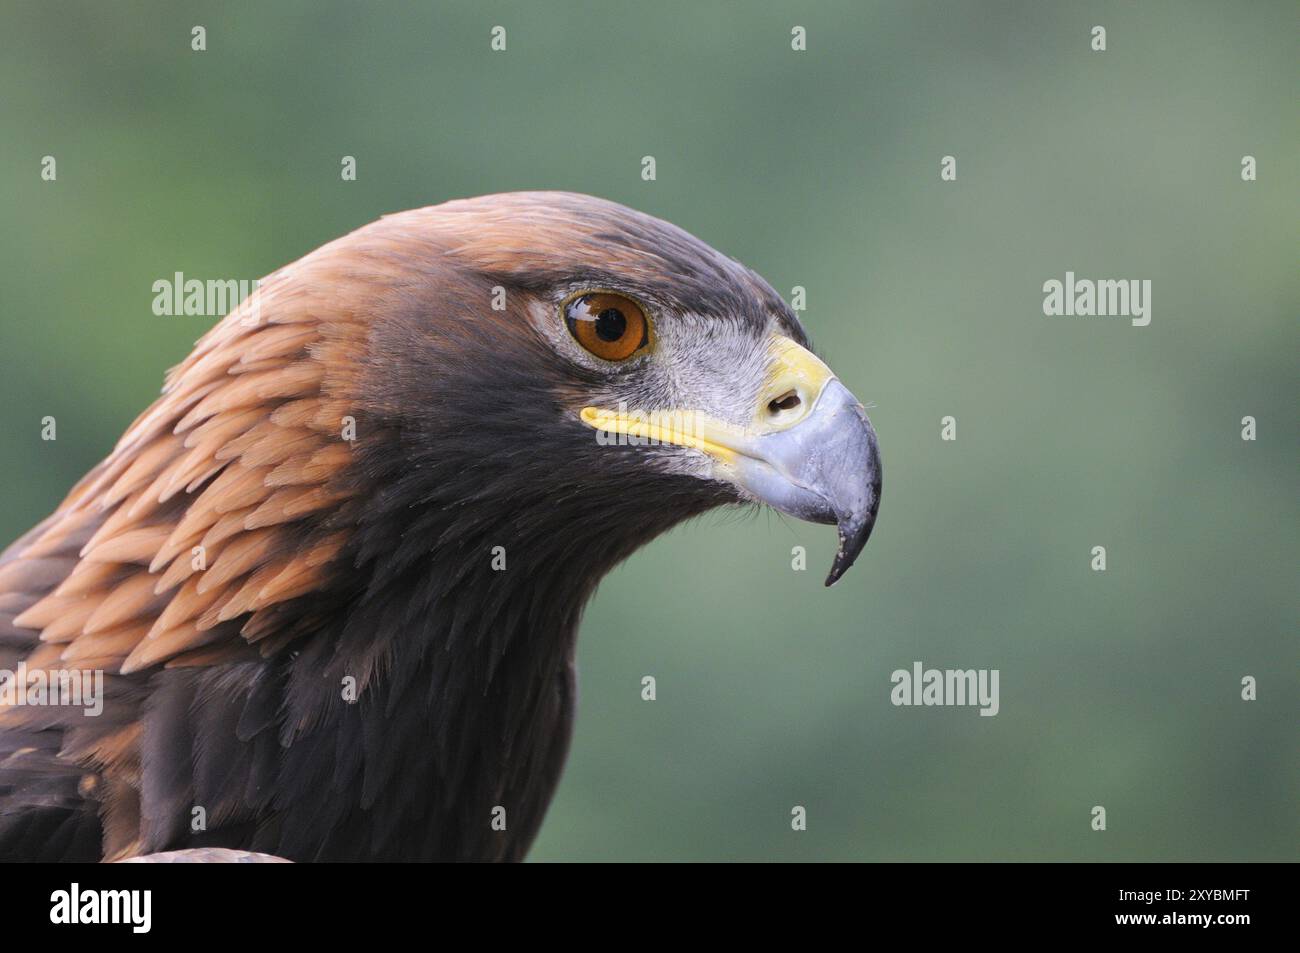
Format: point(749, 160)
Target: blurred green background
point(818, 169)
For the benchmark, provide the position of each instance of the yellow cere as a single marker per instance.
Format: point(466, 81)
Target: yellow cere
point(792, 369)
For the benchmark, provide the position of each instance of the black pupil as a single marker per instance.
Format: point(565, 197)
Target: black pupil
point(610, 324)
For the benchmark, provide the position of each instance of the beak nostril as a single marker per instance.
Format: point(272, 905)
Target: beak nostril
point(787, 401)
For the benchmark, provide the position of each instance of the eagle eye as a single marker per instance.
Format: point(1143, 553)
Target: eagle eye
point(610, 326)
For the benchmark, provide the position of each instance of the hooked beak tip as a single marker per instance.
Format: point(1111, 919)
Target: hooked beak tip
point(854, 533)
point(854, 520)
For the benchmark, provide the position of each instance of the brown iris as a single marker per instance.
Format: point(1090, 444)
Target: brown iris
point(608, 325)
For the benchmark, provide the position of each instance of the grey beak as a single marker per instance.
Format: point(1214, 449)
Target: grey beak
point(824, 469)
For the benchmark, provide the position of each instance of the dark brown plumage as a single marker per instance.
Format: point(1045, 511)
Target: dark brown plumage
point(236, 559)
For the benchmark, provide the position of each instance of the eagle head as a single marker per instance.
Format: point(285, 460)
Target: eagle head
point(332, 577)
point(608, 367)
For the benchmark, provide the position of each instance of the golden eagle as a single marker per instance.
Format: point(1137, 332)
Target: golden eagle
point(333, 576)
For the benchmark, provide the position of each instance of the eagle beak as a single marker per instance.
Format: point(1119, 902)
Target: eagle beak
point(810, 450)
